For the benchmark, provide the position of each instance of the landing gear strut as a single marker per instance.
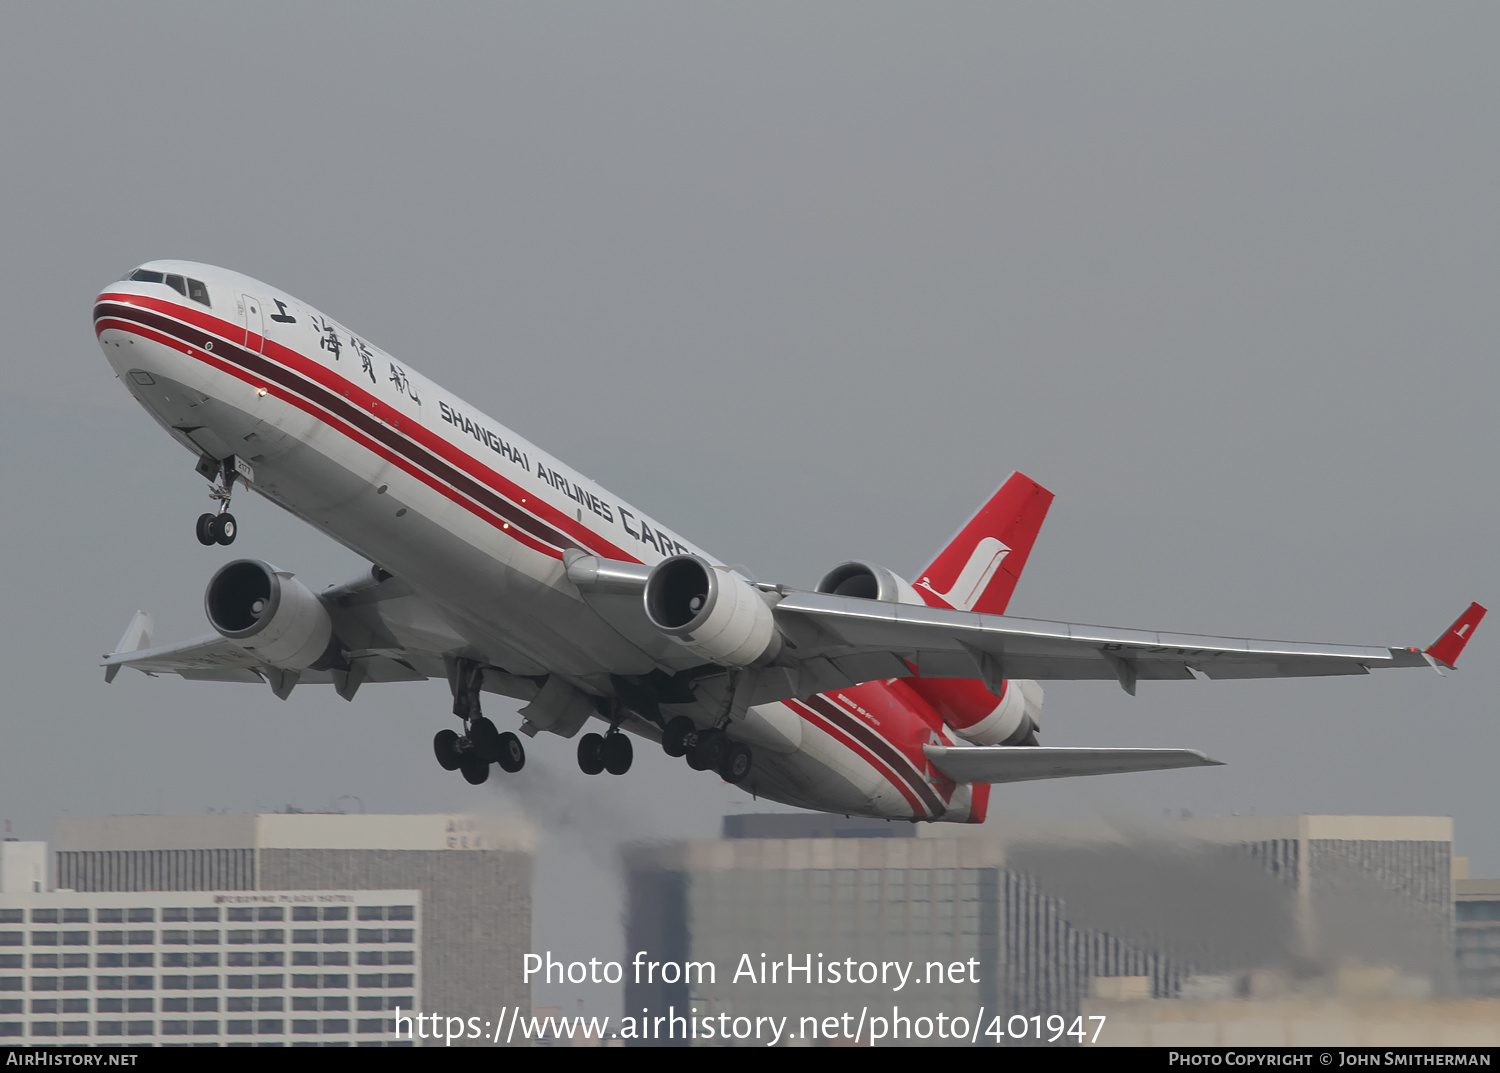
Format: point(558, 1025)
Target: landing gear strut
point(481, 744)
point(219, 528)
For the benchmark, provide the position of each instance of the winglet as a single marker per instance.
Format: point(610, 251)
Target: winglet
point(137, 636)
point(1447, 648)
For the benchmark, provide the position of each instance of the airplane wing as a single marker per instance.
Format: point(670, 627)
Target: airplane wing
point(205, 659)
point(833, 642)
point(1023, 763)
point(939, 643)
point(365, 610)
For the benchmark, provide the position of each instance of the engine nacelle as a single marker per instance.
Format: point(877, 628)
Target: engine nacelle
point(868, 581)
point(712, 611)
point(268, 613)
point(975, 714)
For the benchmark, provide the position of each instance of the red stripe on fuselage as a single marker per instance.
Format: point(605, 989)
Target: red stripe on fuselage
point(874, 750)
point(345, 406)
point(429, 452)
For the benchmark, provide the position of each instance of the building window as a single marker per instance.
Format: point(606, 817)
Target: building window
point(144, 915)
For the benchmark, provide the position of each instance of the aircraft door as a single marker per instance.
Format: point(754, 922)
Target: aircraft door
point(253, 321)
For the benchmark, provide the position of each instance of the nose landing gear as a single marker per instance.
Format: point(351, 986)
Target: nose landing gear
point(219, 528)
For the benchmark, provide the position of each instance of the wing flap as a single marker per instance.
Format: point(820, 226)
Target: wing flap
point(1024, 763)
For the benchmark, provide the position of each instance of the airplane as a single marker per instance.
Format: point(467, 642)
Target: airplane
point(504, 571)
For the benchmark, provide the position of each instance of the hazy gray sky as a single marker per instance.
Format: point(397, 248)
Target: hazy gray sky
point(806, 281)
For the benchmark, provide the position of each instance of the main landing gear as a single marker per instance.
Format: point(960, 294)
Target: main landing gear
point(219, 528)
point(481, 744)
point(708, 749)
point(610, 752)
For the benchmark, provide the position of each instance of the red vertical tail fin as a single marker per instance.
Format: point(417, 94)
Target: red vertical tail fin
point(979, 568)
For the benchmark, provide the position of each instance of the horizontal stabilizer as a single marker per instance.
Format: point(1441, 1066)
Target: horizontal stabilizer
point(1022, 763)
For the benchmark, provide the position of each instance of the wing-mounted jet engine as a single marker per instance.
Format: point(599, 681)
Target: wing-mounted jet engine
point(270, 614)
point(713, 611)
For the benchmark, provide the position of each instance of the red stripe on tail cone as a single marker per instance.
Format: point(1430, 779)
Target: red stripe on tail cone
point(1447, 648)
point(979, 568)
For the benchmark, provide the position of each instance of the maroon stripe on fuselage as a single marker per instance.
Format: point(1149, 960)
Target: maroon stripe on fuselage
point(898, 761)
point(340, 406)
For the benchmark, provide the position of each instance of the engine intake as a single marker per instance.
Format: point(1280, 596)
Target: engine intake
point(712, 611)
point(268, 613)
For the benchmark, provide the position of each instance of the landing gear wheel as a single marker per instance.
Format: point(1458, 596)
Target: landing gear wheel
point(617, 752)
point(475, 770)
point(512, 757)
point(674, 739)
point(445, 746)
point(223, 528)
point(205, 529)
point(713, 745)
point(737, 763)
point(590, 754)
point(486, 739)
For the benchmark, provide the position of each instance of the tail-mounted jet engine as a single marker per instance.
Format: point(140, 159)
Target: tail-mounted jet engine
point(712, 611)
point(867, 581)
point(268, 613)
point(966, 706)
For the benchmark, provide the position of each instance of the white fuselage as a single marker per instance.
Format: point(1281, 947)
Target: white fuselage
point(470, 515)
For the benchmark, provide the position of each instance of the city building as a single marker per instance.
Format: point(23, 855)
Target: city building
point(282, 968)
point(452, 895)
point(1035, 918)
point(23, 867)
point(1476, 934)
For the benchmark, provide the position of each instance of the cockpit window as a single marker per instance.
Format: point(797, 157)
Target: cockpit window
point(191, 288)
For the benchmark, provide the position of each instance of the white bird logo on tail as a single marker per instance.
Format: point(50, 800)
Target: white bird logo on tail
point(975, 577)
